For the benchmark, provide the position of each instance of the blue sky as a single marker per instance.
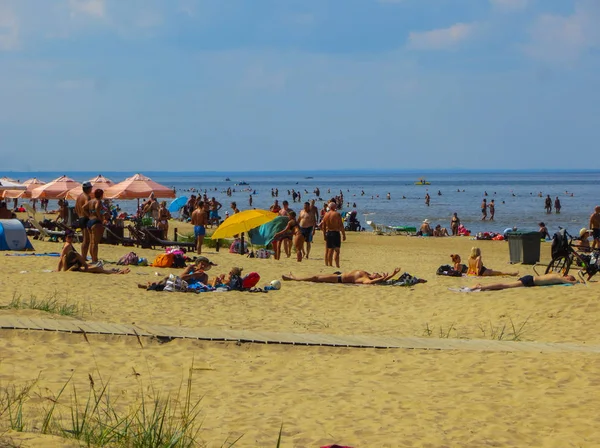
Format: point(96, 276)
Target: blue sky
point(298, 84)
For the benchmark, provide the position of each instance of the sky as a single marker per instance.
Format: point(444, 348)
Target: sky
point(244, 85)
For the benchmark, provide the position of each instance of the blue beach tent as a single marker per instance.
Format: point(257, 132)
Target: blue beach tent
point(13, 236)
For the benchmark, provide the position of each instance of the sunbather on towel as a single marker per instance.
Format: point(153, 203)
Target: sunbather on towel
point(70, 260)
point(195, 273)
point(356, 277)
point(530, 280)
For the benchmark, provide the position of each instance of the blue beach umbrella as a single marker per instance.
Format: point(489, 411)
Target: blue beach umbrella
point(177, 204)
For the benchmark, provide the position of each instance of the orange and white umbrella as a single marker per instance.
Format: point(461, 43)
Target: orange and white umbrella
point(30, 184)
point(138, 187)
point(98, 182)
point(57, 189)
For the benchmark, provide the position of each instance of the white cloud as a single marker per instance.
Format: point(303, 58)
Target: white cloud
point(94, 8)
point(510, 5)
point(564, 39)
point(9, 28)
point(442, 38)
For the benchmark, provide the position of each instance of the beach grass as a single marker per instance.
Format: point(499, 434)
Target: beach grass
point(51, 304)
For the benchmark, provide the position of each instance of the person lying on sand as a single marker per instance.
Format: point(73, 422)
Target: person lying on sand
point(355, 277)
point(70, 260)
point(530, 280)
point(195, 273)
point(476, 266)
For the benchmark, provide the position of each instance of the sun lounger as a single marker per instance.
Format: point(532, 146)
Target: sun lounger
point(77, 235)
point(378, 229)
point(155, 241)
point(120, 239)
point(45, 233)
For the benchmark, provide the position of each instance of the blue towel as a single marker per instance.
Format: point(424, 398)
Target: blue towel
point(263, 235)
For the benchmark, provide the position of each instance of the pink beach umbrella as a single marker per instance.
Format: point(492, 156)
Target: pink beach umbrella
point(57, 189)
point(98, 182)
point(138, 187)
point(31, 184)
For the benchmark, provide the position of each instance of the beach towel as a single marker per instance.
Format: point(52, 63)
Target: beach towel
point(404, 280)
point(263, 235)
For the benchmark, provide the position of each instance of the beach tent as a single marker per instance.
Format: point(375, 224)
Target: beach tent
point(13, 236)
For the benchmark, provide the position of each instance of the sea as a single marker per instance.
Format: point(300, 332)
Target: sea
point(519, 195)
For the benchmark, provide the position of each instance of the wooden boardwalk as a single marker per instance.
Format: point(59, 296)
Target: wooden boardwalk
point(163, 332)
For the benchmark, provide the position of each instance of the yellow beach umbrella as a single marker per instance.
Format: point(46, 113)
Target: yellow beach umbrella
point(243, 222)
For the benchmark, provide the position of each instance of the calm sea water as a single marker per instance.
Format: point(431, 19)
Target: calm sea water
point(515, 194)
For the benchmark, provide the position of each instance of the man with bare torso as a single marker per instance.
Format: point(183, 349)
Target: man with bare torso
point(529, 280)
point(83, 199)
point(595, 227)
point(199, 220)
point(352, 277)
point(334, 233)
point(308, 224)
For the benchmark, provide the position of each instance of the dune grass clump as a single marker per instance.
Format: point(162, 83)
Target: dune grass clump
point(503, 331)
point(50, 304)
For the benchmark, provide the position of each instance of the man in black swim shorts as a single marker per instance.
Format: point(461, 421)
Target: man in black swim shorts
point(529, 281)
point(333, 231)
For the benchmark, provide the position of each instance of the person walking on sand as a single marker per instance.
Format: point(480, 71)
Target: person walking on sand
point(595, 227)
point(83, 199)
point(308, 225)
point(528, 281)
point(334, 233)
point(484, 209)
point(492, 208)
point(548, 204)
point(476, 267)
point(352, 277)
point(199, 221)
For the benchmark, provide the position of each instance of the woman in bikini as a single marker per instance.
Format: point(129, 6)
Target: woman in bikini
point(477, 268)
point(291, 231)
point(70, 260)
point(163, 219)
point(94, 208)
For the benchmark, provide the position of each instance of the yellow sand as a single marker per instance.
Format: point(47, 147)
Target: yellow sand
point(356, 397)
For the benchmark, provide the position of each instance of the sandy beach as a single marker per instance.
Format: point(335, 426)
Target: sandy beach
point(323, 395)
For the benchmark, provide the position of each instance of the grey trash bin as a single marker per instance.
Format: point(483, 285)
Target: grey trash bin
point(524, 247)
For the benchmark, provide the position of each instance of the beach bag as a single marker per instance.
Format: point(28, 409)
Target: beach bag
point(262, 253)
point(163, 261)
point(236, 283)
point(178, 261)
point(448, 270)
point(175, 284)
point(235, 247)
point(560, 244)
point(130, 258)
point(250, 280)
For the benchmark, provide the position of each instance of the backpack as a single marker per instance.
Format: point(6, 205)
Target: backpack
point(163, 261)
point(560, 244)
point(236, 283)
point(178, 261)
point(130, 258)
point(250, 280)
point(448, 270)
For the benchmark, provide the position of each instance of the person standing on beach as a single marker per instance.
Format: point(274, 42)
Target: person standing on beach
point(548, 204)
point(287, 242)
point(83, 199)
point(483, 209)
point(492, 207)
point(595, 227)
point(454, 223)
point(308, 224)
point(275, 207)
point(334, 233)
point(557, 205)
point(199, 220)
